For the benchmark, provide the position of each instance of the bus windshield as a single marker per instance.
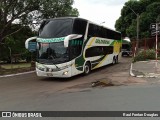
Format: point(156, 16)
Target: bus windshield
point(52, 53)
point(56, 28)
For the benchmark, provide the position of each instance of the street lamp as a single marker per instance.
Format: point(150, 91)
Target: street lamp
point(138, 16)
point(102, 23)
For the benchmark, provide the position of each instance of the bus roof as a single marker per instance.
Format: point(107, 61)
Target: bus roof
point(81, 19)
point(67, 18)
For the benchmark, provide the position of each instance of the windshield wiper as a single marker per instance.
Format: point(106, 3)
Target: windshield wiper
point(53, 59)
point(44, 62)
point(56, 66)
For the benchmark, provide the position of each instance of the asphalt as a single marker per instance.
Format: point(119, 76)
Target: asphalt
point(149, 69)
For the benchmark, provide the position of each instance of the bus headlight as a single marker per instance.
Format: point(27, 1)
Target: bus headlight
point(65, 73)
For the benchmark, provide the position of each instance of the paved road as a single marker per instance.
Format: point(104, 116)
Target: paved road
point(26, 92)
point(30, 93)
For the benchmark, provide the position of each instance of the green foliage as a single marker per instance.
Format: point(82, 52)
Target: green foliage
point(149, 12)
point(131, 30)
point(4, 53)
point(145, 55)
point(58, 8)
point(16, 43)
point(127, 16)
point(24, 12)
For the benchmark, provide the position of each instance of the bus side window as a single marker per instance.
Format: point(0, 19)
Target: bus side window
point(107, 50)
point(75, 47)
point(94, 31)
point(94, 51)
point(79, 27)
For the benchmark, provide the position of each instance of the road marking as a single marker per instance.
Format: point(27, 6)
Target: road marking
point(11, 75)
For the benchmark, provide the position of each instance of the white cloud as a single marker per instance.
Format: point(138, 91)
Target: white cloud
point(99, 11)
point(106, 2)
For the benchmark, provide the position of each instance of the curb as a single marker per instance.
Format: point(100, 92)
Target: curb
point(11, 75)
point(149, 75)
point(131, 73)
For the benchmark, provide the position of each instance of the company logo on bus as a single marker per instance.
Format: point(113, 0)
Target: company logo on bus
point(100, 41)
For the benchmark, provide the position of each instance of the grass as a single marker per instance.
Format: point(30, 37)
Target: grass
point(14, 66)
point(6, 69)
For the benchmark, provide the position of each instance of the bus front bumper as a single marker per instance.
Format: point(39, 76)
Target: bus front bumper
point(58, 74)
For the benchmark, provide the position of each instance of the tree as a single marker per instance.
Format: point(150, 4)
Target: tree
point(149, 12)
point(58, 8)
point(15, 43)
point(127, 16)
point(26, 11)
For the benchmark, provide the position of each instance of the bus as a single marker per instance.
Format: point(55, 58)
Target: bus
point(126, 48)
point(69, 46)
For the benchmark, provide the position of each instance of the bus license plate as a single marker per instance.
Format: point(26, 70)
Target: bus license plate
point(49, 74)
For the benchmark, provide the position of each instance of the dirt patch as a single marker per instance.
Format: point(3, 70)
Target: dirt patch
point(86, 87)
point(81, 86)
point(107, 80)
point(103, 83)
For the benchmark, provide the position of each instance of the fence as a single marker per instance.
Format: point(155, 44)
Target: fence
point(146, 44)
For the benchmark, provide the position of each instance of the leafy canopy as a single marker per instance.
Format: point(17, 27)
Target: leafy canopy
point(25, 12)
point(149, 12)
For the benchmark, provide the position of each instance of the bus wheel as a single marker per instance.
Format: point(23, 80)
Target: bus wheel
point(87, 68)
point(117, 60)
point(114, 61)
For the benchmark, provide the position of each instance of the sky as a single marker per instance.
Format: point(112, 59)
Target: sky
point(100, 11)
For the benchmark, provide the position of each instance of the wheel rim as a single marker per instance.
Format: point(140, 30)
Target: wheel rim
point(117, 60)
point(113, 60)
point(86, 69)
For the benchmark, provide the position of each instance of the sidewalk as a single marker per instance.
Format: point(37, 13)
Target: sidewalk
point(145, 69)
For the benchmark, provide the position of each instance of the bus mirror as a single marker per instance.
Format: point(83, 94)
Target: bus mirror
point(70, 37)
point(66, 42)
point(30, 45)
point(38, 47)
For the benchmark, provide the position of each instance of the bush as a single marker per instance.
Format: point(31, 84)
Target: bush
point(144, 55)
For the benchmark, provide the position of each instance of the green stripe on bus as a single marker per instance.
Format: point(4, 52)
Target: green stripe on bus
point(43, 40)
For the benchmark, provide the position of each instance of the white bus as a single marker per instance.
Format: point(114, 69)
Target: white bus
point(70, 46)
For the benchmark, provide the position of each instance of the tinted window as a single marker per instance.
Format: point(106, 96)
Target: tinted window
point(98, 51)
point(94, 30)
point(52, 53)
point(99, 31)
point(108, 50)
point(56, 28)
point(79, 26)
point(94, 51)
point(75, 48)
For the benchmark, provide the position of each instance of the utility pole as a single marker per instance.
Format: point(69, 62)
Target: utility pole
point(156, 44)
point(155, 27)
point(138, 17)
point(137, 45)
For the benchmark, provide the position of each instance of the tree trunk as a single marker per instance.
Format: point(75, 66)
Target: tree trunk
point(0, 39)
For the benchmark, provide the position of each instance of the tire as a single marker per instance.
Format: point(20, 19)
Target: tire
point(117, 60)
point(87, 68)
point(114, 61)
